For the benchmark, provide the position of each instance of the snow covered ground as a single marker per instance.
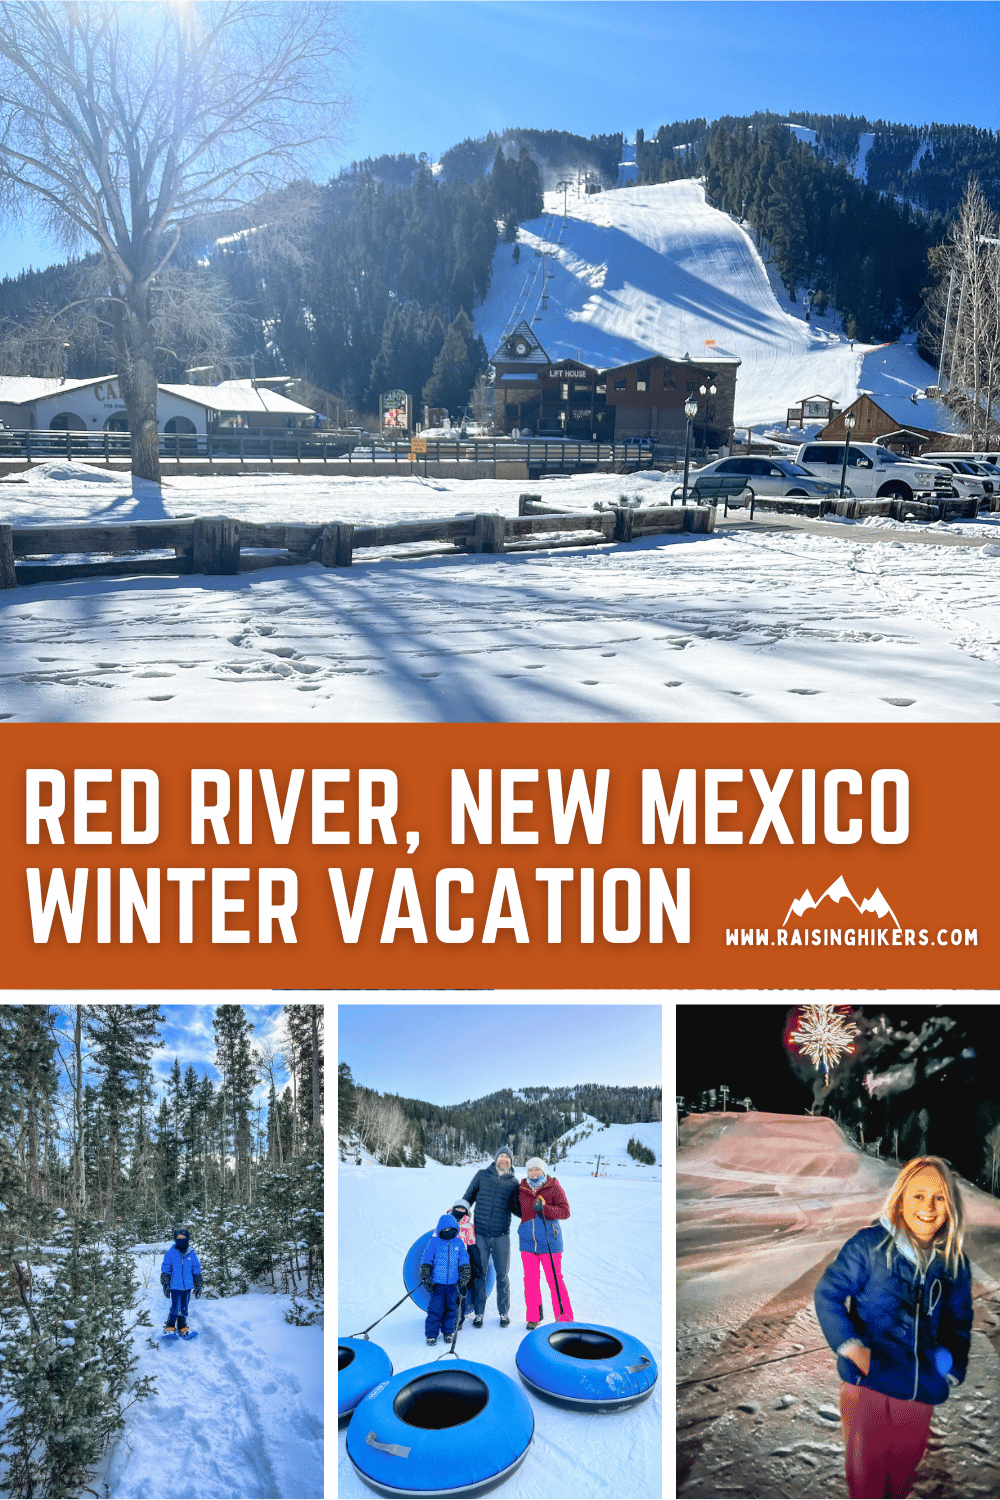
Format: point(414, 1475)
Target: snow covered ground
point(764, 1203)
point(754, 623)
point(656, 270)
point(612, 1267)
point(238, 1412)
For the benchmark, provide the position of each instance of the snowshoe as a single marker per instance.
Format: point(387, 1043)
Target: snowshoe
point(168, 1333)
point(187, 1334)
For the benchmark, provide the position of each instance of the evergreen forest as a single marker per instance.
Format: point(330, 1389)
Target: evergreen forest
point(404, 1132)
point(370, 282)
point(97, 1160)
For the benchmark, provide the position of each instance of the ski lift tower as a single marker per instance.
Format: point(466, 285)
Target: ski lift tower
point(725, 1091)
point(565, 184)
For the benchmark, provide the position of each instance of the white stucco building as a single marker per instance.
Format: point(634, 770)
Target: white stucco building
point(42, 404)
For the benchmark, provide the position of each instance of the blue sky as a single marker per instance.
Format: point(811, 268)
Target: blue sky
point(446, 1054)
point(187, 1035)
point(423, 76)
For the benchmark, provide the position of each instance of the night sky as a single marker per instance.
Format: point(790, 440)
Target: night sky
point(939, 1091)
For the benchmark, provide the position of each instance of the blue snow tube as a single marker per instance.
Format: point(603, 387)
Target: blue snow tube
point(455, 1429)
point(411, 1275)
point(360, 1365)
point(586, 1367)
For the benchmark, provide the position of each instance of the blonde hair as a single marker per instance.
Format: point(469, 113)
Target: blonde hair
point(954, 1232)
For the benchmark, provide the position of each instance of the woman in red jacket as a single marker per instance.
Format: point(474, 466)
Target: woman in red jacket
point(543, 1203)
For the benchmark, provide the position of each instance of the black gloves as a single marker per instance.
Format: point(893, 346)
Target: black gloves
point(427, 1278)
point(197, 1285)
point(464, 1277)
point(165, 1283)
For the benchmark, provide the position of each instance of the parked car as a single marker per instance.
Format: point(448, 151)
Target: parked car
point(966, 477)
point(775, 476)
point(875, 473)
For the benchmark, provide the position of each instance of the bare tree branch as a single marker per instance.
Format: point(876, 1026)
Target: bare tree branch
point(127, 121)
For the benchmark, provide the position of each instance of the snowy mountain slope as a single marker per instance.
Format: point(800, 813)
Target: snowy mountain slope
point(382, 1210)
point(656, 270)
point(764, 1203)
point(589, 1140)
point(238, 1412)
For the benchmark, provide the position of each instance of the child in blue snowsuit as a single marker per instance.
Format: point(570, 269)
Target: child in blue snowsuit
point(180, 1274)
point(445, 1271)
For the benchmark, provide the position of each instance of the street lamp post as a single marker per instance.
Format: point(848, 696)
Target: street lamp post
point(690, 411)
point(849, 422)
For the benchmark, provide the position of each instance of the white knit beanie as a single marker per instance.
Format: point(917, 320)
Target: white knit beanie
point(535, 1161)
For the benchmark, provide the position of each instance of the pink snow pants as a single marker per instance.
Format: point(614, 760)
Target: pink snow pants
point(533, 1289)
point(884, 1441)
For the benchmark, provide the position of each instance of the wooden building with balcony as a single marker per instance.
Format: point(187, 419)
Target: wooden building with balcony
point(643, 399)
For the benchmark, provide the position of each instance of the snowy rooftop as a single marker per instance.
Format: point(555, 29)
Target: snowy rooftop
point(238, 395)
point(20, 389)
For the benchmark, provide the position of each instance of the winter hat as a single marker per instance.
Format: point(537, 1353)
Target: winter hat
point(182, 1234)
point(535, 1161)
point(463, 1204)
point(504, 1151)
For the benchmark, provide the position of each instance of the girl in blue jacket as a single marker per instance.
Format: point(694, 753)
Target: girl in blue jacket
point(180, 1274)
point(896, 1306)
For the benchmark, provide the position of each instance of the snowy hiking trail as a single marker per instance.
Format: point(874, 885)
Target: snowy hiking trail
point(764, 1204)
point(612, 1268)
point(753, 624)
point(238, 1412)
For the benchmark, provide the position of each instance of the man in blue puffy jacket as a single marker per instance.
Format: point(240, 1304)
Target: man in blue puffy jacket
point(180, 1274)
point(445, 1272)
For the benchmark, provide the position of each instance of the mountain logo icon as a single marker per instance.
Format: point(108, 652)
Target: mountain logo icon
point(839, 891)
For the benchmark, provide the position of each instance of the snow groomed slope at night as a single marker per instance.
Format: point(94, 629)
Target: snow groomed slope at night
point(654, 269)
point(764, 1203)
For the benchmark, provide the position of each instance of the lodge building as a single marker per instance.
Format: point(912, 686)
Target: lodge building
point(646, 398)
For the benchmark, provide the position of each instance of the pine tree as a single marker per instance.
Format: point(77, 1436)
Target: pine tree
point(124, 1037)
point(453, 375)
point(235, 1060)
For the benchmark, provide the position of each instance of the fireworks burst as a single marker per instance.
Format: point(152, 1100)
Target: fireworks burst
point(824, 1035)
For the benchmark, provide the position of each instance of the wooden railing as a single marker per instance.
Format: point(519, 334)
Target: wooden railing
point(307, 446)
point(221, 545)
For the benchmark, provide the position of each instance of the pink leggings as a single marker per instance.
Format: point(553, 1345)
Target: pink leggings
point(533, 1288)
point(884, 1441)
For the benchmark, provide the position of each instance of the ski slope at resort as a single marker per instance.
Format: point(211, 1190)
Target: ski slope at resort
point(753, 623)
point(238, 1412)
point(655, 270)
point(612, 1267)
point(764, 1203)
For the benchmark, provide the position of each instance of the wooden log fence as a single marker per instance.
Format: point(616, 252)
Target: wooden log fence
point(223, 546)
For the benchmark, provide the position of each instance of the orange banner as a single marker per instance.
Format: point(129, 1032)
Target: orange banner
point(498, 856)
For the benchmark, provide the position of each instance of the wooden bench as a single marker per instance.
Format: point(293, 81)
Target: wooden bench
point(731, 489)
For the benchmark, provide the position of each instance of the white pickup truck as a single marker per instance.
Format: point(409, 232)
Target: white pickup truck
point(875, 473)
